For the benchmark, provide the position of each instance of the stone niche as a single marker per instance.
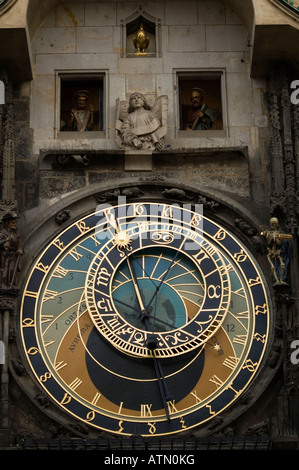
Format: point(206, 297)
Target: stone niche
point(131, 26)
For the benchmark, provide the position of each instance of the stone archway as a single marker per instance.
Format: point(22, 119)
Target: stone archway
point(37, 12)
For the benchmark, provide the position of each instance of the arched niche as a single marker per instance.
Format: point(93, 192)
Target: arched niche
point(130, 27)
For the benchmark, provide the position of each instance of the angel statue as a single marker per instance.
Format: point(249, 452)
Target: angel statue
point(138, 126)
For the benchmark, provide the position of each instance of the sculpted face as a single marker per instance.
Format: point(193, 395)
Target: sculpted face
point(274, 223)
point(12, 226)
point(82, 102)
point(137, 101)
point(196, 99)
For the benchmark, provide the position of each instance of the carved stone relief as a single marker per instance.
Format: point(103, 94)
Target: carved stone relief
point(8, 202)
point(140, 126)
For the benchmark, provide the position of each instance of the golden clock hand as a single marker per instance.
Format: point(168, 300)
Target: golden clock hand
point(152, 344)
point(156, 291)
point(127, 305)
point(162, 280)
point(139, 311)
point(136, 287)
point(147, 315)
point(134, 278)
point(164, 391)
point(138, 294)
point(144, 270)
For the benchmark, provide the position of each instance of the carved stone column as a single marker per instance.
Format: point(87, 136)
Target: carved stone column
point(7, 306)
point(284, 155)
point(288, 150)
point(8, 202)
point(276, 149)
point(8, 207)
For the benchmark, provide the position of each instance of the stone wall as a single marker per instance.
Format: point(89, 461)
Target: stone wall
point(196, 36)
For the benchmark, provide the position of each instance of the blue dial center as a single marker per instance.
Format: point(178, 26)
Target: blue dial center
point(161, 290)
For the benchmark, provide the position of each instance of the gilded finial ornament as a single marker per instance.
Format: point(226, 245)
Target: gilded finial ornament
point(141, 42)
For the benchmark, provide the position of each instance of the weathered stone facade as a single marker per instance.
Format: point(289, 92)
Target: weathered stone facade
point(243, 172)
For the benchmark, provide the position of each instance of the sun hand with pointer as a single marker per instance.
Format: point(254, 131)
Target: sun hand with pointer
point(151, 342)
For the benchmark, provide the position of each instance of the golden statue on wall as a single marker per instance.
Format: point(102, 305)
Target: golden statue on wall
point(278, 250)
point(141, 41)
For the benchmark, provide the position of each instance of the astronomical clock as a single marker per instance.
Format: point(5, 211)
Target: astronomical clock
point(145, 318)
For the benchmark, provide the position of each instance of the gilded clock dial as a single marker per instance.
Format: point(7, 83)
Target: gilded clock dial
point(170, 303)
point(145, 319)
point(178, 285)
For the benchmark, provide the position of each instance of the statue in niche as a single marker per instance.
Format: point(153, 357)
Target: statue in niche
point(10, 252)
point(278, 250)
point(141, 42)
point(140, 127)
point(82, 117)
point(200, 116)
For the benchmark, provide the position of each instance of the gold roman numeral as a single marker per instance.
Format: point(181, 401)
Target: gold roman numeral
point(75, 384)
point(146, 410)
point(215, 380)
point(230, 362)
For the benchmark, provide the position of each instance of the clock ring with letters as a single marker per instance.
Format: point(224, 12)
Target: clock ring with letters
point(145, 318)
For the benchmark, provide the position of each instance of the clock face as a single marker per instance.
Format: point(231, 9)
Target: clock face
point(145, 319)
